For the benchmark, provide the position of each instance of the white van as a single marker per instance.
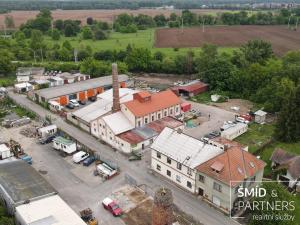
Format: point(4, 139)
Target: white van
point(80, 156)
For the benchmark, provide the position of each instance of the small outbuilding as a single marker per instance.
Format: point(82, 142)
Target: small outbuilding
point(23, 87)
point(65, 145)
point(191, 89)
point(46, 131)
point(4, 152)
point(260, 116)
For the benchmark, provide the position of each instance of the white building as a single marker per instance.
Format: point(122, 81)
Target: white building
point(50, 210)
point(55, 81)
point(175, 156)
point(146, 108)
point(4, 152)
point(23, 87)
point(233, 130)
point(260, 116)
point(48, 130)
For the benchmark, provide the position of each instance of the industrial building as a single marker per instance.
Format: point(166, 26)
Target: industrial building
point(191, 89)
point(50, 210)
point(20, 184)
point(79, 90)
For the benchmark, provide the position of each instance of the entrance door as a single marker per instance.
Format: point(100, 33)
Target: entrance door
point(200, 191)
point(216, 201)
point(143, 146)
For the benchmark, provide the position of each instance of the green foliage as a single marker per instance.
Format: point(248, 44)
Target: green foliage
point(288, 124)
point(138, 59)
point(281, 195)
point(86, 32)
point(6, 66)
point(55, 34)
point(100, 35)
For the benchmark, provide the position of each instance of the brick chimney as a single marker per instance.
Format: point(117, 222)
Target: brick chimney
point(115, 84)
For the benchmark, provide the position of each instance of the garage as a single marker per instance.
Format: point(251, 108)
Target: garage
point(216, 200)
point(90, 93)
point(82, 96)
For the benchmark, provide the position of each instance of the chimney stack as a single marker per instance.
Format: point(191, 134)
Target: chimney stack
point(162, 211)
point(115, 84)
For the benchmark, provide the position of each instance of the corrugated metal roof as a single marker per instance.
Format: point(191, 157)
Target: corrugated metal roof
point(118, 122)
point(126, 94)
point(62, 140)
point(233, 129)
point(51, 210)
point(183, 148)
point(67, 89)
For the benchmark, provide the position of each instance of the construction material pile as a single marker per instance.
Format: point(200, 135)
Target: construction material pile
point(29, 131)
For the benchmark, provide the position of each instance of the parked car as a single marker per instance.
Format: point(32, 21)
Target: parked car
point(93, 98)
point(74, 102)
point(46, 140)
point(26, 158)
point(70, 106)
point(82, 102)
point(88, 161)
point(80, 156)
point(112, 206)
point(241, 120)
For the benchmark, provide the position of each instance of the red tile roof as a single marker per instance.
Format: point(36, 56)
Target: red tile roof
point(159, 101)
point(238, 165)
point(227, 142)
point(191, 87)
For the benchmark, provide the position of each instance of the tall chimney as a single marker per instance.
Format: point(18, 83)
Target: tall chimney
point(162, 211)
point(115, 84)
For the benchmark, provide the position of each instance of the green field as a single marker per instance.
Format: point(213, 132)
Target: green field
point(257, 135)
point(119, 41)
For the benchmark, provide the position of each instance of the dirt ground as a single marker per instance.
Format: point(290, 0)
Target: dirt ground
point(244, 105)
point(103, 15)
point(140, 212)
point(281, 38)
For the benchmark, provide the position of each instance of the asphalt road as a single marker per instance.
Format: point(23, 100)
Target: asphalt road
point(138, 170)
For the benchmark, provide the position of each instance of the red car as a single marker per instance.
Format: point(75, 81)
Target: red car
point(112, 206)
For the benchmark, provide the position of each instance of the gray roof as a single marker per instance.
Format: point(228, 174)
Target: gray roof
point(145, 132)
point(22, 182)
point(53, 92)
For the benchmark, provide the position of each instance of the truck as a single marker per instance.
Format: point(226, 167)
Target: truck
point(111, 206)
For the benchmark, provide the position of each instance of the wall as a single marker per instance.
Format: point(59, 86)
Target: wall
point(183, 173)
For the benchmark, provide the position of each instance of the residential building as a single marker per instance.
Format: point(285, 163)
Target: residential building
point(231, 131)
point(218, 179)
point(80, 90)
point(290, 165)
point(146, 107)
point(176, 156)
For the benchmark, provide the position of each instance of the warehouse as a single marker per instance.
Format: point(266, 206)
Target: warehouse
point(191, 89)
point(50, 210)
point(20, 183)
point(80, 90)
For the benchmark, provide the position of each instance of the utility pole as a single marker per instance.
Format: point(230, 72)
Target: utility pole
point(42, 55)
point(297, 24)
point(203, 26)
point(181, 24)
point(289, 21)
point(75, 55)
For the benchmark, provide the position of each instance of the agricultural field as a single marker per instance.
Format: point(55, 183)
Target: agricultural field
point(119, 41)
point(281, 38)
point(101, 14)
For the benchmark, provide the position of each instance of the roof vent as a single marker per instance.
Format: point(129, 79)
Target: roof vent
point(252, 164)
point(217, 166)
point(240, 170)
point(179, 131)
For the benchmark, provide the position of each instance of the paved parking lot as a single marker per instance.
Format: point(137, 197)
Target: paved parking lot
point(216, 120)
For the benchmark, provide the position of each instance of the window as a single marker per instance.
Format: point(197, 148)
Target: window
point(178, 178)
point(171, 111)
point(217, 187)
point(158, 115)
point(146, 120)
point(152, 118)
point(201, 178)
point(179, 166)
point(158, 167)
point(158, 155)
point(169, 173)
point(168, 160)
point(165, 113)
point(139, 123)
point(176, 109)
point(189, 171)
point(189, 184)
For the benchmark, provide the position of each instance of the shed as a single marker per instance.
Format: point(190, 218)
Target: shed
point(4, 151)
point(46, 131)
point(191, 89)
point(260, 116)
point(23, 87)
point(185, 106)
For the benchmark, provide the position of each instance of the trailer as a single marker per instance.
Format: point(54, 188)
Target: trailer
point(47, 131)
point(106, 171)
point(65, 145)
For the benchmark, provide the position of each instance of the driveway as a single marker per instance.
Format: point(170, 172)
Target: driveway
point(138, 170)
point(216, 120)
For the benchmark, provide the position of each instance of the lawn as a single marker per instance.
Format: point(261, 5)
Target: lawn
point(257, 135)
point(7, 81)
point(119, 41)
